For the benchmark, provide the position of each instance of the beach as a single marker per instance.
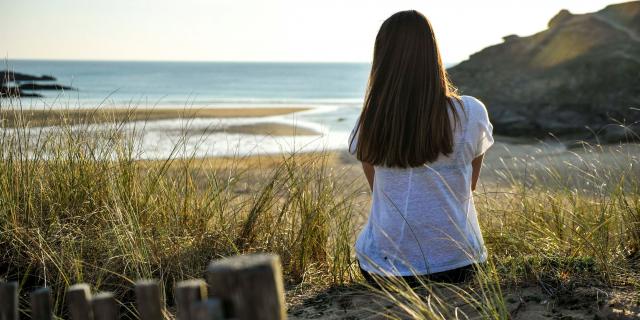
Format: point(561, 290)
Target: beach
point(45, 118)
point(196, 164)
point(307, 205)
point(202, 132)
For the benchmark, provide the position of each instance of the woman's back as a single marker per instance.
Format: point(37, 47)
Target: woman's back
point(422, 218)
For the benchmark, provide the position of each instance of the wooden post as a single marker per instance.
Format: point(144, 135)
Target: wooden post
point(105, 307)
point(9, 301)
point(79, 302)
point(148, 300)
point(209, 309)
point(251, 283)
point(41, 304)
point(188, 293)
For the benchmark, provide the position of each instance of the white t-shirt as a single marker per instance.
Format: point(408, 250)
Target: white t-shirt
point(423, 219)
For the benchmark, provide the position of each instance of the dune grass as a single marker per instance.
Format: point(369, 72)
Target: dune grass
point(556, 222)
point(76, 205)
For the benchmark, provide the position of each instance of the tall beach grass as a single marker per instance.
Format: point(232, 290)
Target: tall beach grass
point(77, 205)
point(556, 222)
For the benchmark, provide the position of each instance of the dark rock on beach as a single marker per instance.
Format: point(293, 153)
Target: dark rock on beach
point(36, 86)
point(6, 92)
point(15, 84)
point(579, 77)
point(8, 76)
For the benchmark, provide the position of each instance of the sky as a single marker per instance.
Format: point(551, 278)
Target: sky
point(255, 30)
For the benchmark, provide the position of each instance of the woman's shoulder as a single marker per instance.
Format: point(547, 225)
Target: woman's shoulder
point(472, 103)
point(474, 107)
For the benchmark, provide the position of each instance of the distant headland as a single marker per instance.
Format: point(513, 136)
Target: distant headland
point(582, 74)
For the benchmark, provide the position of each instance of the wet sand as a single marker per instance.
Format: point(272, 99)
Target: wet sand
point(265, 128)
point(39, 118)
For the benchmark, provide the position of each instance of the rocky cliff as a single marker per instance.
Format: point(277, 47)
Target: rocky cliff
point(583, 71)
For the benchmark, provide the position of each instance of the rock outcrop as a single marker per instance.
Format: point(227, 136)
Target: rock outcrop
point(582, 72)
point(7, 76)
point(15, 84)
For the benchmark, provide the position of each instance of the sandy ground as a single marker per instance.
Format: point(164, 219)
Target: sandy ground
point(263, 128)
point(522, 303)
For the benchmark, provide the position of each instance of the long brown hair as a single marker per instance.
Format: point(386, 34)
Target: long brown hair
point(405, 120)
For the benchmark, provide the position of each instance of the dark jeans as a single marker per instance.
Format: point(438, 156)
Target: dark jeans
point(458, 275)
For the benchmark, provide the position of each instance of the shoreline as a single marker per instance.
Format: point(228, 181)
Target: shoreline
point(274, 129)
point(54, 117)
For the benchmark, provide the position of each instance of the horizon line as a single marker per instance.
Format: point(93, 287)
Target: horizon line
point(180, 61)
point(5, 59)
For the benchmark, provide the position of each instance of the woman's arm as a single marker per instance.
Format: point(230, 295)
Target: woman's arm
point(476, 164)
point(369, 172)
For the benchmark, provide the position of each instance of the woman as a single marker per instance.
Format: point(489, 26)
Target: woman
point(421, 148)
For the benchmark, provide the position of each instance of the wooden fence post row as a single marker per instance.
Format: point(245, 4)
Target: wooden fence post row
point(247, 287)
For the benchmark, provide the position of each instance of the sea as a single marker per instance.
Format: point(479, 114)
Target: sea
point(332, 92)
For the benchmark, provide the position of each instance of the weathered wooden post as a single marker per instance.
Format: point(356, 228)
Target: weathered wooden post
point(251, 284)
point(41, 304)
point(105, 307)
point(9, 301)
point(79, 302)
point(149, 300)
point(188, 293)
point(209, 309)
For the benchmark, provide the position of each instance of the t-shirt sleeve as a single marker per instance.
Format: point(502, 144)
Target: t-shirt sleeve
point(482, 129)
point(353, 138)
